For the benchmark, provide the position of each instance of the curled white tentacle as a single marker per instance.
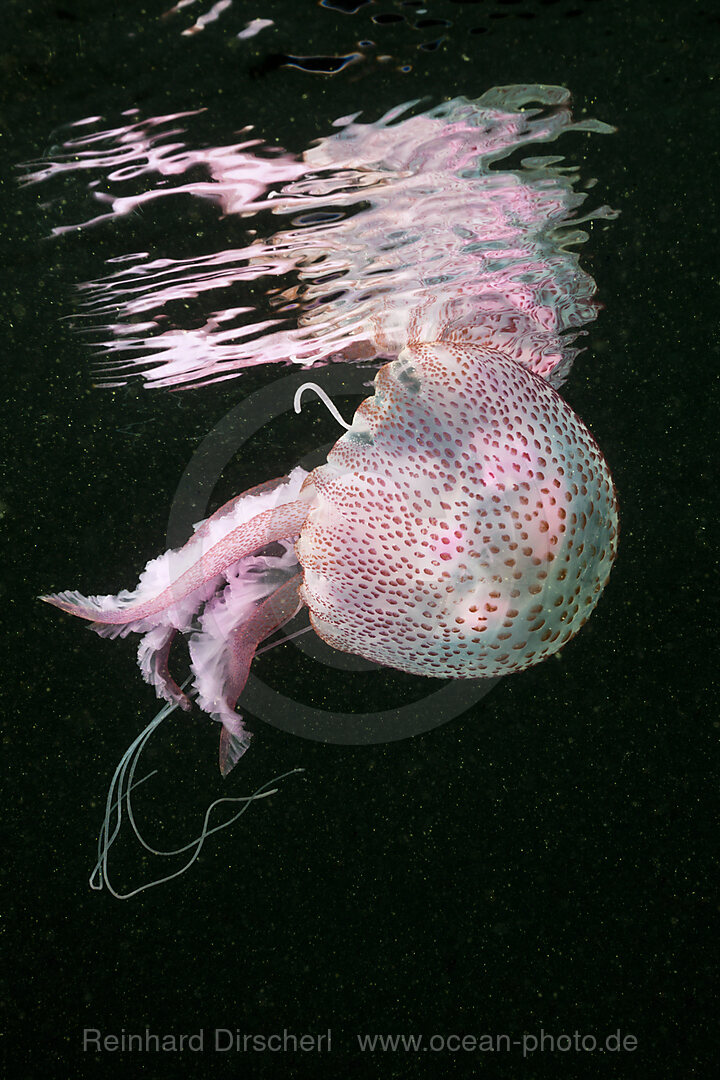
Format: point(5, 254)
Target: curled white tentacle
point(323, 397)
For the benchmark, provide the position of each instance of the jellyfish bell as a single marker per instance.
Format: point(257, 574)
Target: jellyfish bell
point(465, 525)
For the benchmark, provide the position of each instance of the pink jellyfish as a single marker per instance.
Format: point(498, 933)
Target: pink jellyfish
point(465, 524)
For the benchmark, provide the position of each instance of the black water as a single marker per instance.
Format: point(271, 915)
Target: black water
point(542, 862)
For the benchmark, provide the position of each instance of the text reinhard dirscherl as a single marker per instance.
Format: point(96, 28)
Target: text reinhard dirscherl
point(222, 1040)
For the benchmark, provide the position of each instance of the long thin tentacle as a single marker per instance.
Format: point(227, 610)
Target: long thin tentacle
point(122, 785)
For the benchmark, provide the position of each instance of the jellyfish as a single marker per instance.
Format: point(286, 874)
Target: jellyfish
point(463, 526)
point(465, 523)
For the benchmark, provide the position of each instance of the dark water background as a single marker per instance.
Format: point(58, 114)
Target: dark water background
point(544, 861)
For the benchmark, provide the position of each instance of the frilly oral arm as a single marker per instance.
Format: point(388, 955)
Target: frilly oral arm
point(268, 526)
